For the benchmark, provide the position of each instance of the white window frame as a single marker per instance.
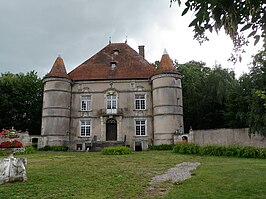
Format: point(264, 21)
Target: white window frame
point(85, 103)
point(85, 128)
point(140, 102)
point(111, 104)
point(141, 127)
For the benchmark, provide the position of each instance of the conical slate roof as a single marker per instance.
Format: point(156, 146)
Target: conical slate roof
point(115, 61)
point(166, 64)
point(58, 69)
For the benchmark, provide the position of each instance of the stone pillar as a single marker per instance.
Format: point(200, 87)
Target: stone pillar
point(12, 170)
point(102, 138)
point(119, 133)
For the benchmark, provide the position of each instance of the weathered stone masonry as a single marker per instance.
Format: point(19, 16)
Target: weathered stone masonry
point(115, 96)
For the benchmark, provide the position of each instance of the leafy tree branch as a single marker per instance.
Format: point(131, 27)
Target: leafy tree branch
point(234, 16)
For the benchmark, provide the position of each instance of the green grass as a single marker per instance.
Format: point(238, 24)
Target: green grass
point(93, 175)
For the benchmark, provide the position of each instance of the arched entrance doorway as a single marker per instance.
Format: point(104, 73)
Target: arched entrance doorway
point(111, 129)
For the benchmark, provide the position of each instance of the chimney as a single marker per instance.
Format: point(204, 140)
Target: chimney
point(141, 51)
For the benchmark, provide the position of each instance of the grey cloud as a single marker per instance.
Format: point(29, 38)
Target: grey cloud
point(34, 32)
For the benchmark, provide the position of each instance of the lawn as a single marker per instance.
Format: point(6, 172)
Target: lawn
point(93, 175)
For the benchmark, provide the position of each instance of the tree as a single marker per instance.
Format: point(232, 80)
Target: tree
point(238, 103)
point(21, 101)
point(257, 118)
point(245, 105)
point(249, 15)
point(205, 93)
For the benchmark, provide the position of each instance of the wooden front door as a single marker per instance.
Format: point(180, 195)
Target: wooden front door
point(111, 129)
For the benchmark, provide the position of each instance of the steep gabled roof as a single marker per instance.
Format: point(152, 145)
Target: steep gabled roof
point(115, 61)
point(58, 69)
point(166, 64)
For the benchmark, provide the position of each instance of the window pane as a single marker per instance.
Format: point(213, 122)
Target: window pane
point(108, 104)
point(114, 104)
point(142, 104)
point(82, 132)
point(83, 105)
point(137, 130)
point(137, 104)
point(142, 130)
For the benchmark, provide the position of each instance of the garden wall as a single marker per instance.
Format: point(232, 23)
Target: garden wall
point(227, 137)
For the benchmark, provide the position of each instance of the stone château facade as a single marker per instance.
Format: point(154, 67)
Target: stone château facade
point(115, 96)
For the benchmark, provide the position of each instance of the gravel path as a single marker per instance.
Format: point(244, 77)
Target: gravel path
point(179, 173)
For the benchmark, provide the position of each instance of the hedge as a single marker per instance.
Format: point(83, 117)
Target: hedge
point(230, 151)
point(119, 150)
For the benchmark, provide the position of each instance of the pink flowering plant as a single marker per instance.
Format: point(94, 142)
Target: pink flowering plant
point(12, 133)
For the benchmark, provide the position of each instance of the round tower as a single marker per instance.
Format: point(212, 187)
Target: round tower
point(167, 102)
point(56, 106)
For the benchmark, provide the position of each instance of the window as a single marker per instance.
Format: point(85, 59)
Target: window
point(113, 65)
point(111, 104)
point(79, 147)
point(85, 128)
point(140, 102)
point(140, 127)
point(85, 102)
point(116, 51)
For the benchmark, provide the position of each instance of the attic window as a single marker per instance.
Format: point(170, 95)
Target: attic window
point(116, 51)
point(113, 65)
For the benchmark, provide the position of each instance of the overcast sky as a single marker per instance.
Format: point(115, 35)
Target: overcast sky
point(34, 32)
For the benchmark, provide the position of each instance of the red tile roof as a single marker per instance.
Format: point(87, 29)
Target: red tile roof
point(128, 64)
point(166, 64)
point(58, 69)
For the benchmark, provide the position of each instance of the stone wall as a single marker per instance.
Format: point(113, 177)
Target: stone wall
point(227, 137)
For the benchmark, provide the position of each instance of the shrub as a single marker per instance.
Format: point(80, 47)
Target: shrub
point(3, 153)
point(58, 148)
point(120, 150)
point(54, 148)
point(184, 148)
point(46, 148)
point(30, 149)
point(161, 147)
point(231, 151)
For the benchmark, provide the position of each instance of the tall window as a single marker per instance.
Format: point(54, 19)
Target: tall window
point(111, 104)
point(85, 128)
point(140, 127)
point(140, 102)
point(85, 102)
